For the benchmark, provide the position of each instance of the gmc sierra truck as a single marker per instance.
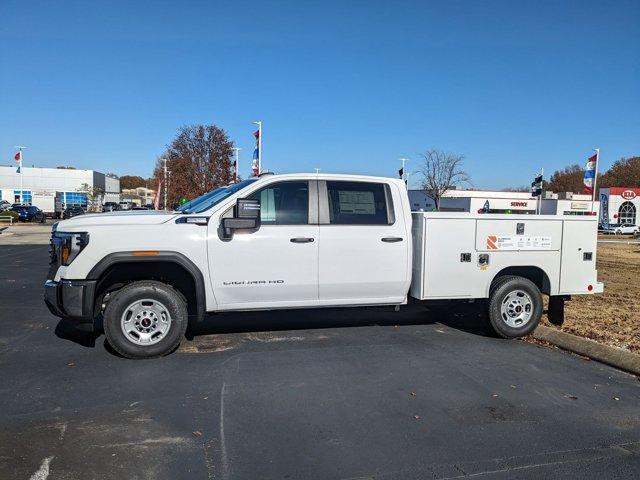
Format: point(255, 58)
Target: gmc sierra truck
point(303, 241)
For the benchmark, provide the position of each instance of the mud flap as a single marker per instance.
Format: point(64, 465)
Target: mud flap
point(555, 312)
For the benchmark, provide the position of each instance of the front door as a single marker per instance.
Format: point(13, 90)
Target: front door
point(364, 244)
point(277, 265)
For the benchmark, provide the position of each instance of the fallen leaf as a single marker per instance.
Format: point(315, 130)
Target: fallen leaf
point(197, 433)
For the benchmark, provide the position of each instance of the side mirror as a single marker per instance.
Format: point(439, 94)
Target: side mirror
point(247, 217)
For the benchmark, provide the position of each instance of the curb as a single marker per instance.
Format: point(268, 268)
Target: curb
point(614, 356)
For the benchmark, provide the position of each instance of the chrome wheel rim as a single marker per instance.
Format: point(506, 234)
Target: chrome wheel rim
point(516, 309)
point(145, 322)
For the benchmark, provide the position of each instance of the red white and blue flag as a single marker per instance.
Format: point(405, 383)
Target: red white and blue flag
point(255, 165)
point(590, 174)
point(18, 158)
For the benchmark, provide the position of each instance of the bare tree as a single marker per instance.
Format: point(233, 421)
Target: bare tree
point(441, 172)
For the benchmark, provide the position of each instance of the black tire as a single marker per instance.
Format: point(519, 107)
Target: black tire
point(503, 291)
point(169, 298)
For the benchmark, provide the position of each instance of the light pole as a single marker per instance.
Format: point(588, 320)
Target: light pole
point(168, 180)
point(165, 183)
point(235, 169)
point(404, 176)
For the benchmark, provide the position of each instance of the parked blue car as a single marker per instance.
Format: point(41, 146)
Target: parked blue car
point(29, 213)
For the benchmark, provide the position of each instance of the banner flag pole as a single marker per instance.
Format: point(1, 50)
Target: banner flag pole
point(595, 179)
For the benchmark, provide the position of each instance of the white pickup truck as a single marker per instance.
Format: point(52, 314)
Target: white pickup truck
point(309, 240)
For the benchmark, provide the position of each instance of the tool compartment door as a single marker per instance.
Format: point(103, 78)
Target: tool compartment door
point(578, 264)
point(444, 274)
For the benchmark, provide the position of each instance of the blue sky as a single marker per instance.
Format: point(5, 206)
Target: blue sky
point(345, 86)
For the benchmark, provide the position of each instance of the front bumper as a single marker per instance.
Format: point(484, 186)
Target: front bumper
point(70, 298)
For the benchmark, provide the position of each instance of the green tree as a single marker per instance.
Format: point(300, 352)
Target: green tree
point(94, 196)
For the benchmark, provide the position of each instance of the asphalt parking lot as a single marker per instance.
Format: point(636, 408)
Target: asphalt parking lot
point(345, 394)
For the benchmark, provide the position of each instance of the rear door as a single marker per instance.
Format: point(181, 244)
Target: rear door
point(364, 243)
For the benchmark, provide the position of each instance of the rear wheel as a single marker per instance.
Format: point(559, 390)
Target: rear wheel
point(515, 306)
point(145, 320)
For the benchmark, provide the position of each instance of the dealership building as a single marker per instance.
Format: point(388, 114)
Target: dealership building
point(522, 203)
point(619, 205)
point(67, 184)
point(475, 200)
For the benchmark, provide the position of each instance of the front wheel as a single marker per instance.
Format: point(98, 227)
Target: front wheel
point(515, 306)
point(145, 319)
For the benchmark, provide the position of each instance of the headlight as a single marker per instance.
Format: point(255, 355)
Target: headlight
point(70, 245)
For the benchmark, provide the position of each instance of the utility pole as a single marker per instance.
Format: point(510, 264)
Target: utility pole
point(237, 162)
point(20, 148)
point(165, 183)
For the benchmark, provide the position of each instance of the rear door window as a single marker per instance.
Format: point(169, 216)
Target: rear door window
point(358, 203)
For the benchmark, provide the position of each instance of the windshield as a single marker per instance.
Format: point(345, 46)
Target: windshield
point(191, 204)
point(209, 199)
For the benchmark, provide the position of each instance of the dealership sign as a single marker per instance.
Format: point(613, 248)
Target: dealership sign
point(628, 194)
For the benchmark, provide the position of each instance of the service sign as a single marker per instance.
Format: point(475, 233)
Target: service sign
point(518, 242)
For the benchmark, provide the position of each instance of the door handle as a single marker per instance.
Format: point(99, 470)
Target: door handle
point(301, 240)
point(392, 239)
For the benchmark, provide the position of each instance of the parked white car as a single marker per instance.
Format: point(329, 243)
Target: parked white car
point(309, 240)
point(622, 229)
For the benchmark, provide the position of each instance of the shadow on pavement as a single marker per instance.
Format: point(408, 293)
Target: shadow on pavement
point(467, 317)
point(84, 334)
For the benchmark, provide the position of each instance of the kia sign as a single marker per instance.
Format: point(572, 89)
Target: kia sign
point(628, 194)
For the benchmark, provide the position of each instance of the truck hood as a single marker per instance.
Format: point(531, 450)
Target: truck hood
point(135, 217)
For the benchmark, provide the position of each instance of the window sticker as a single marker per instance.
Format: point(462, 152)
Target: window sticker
point(356, 202)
